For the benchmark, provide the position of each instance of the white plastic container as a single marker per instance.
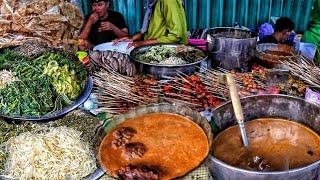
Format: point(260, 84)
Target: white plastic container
point(308, 50)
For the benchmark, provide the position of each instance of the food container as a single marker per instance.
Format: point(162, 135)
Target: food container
point(200, 43)
point(231, 48)
point(153, 108)
point(60, 113)
point(57, 114)
point(197, 42)
point(273, 54)
point(281, 106)
point(161, 71)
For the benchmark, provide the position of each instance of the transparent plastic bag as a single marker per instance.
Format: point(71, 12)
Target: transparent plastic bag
point(47, 20)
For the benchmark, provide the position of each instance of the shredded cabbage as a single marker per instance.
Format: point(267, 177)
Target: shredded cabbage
point(173, 61)
point(64, 80)
point(49, 153)
point(6, 77)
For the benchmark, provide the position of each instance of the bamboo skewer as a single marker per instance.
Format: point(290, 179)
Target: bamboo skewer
point(210, 81)
point(182, 78)
point(257, 80)
point(305, 71)
point(116, 93)
point(181, 101)
point(117, 90)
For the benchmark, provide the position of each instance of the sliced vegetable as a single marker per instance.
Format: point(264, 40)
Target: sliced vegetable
point(38, 84)
point(64, 80)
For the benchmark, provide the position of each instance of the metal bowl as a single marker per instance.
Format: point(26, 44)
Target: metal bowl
point(161, 71)
point(282, 106)
point(146, 109)
point(275, 60)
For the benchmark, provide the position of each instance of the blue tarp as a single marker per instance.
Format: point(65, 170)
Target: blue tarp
point(215, 13)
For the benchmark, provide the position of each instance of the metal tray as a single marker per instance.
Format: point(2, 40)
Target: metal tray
point(275, 60)
point(56, 114)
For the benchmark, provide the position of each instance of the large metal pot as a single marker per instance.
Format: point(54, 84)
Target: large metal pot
point(160, 71)
point(254, 107)
point(231, 48)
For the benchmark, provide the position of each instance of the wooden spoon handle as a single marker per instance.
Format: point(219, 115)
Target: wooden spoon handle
point(235, 99)
point(237, 108)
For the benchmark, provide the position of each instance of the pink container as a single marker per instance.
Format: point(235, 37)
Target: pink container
point(197, 42)
point(203, 47)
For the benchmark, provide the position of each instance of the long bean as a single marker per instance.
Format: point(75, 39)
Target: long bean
point(33, 94)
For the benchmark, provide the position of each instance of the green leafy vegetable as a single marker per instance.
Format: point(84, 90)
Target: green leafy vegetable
point(36, 93)
point(163, 54)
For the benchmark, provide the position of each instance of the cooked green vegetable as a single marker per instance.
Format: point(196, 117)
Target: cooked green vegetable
point(156, 54)
point(8, 58)
point(28, 97)
point(163, 54)
point(36, 93)
point(65, 59)
point(64, 80)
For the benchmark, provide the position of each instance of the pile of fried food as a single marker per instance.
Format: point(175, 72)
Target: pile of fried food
point(248, 83)
point(116, 61)
point(273, 55)
point(56, 22)
point(295, 86)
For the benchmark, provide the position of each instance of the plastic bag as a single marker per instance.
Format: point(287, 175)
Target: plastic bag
point(55, 22)
point(120, 47)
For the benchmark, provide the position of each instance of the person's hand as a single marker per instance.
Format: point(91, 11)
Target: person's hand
point(93, 18)
point(123, 39)
point(135, 44)
point(83, 44)
point(106, 26)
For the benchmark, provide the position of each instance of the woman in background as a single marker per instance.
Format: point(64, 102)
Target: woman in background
point(164, 22)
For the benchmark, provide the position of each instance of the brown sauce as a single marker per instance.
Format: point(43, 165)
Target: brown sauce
point(278, 53)
point(173, 144)
point(278, 143)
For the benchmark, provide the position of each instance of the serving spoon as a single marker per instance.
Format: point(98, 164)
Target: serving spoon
point(248, 157)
